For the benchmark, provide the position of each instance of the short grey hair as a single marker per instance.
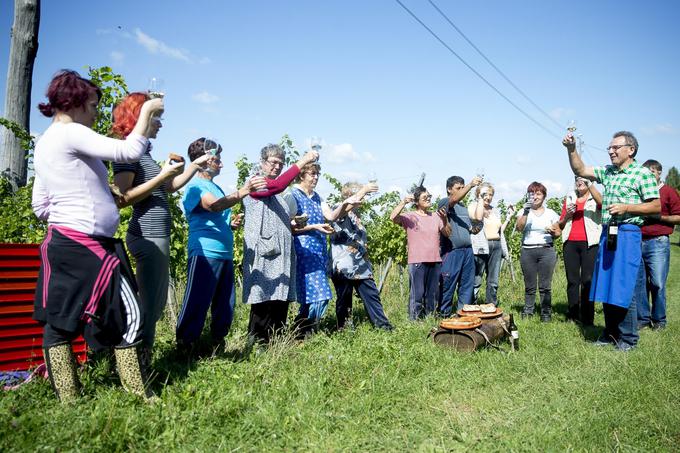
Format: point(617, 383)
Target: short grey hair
point(272, 150)
point(630, 139)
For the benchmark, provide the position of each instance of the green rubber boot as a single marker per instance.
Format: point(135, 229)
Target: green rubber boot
point(62, 370)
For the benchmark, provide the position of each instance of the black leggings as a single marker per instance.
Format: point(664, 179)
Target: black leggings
point(579, 262)
point(266, 319)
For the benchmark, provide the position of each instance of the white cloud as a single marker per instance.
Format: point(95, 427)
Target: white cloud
point(561, 114)
point(116, 56)
point(205, 60)
point(368, 157)
point(339, 154)
point(155, 46)
point(205, 98)
point(660, 129)
point(344, 153)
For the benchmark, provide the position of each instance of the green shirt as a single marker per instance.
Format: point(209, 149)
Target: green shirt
point(634, 184)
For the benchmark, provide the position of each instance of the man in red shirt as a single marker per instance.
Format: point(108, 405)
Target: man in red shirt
point(656, 251)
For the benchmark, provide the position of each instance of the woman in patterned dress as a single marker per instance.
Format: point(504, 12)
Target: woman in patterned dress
point(268, 252)
point(313, 289)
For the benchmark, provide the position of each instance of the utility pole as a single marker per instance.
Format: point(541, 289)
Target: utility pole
point(23, 50)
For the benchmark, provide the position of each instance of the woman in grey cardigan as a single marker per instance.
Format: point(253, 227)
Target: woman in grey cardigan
point(269, 255)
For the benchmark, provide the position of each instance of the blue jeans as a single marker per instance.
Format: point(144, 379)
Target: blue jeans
point(458, 271)
point(491, 265)
point(424, 279)
point(656, 255)
point(621, 324)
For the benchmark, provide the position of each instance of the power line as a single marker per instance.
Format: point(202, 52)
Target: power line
point(489, 84)
point(507, 79)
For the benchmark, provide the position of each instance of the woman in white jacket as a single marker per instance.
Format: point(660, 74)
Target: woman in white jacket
point(581, 228)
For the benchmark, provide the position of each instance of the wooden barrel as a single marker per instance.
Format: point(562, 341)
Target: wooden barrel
point(473, 339)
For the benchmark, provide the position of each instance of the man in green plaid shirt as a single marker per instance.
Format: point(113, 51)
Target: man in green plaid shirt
point(630, 193)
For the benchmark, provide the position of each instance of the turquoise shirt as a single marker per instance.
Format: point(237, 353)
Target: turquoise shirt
point(210, 233)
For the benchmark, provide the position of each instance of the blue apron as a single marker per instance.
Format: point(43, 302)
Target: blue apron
point(616, 272)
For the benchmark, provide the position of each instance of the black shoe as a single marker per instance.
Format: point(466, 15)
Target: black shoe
point(526, 315)
point(546, 318)
point(656, 326)
point(645, 325)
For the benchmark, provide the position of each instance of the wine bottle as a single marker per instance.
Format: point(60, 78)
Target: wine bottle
point(612, 235)
point(514, 334)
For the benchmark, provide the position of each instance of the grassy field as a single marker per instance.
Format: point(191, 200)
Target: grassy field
point(368, 390)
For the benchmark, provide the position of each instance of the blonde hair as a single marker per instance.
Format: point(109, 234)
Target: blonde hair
point(484, 184)
point(349, 189)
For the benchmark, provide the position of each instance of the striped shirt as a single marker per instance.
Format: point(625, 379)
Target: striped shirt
point(634, 184)
point(150, 216)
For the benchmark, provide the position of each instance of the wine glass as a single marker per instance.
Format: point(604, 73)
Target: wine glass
point(571, 126)
point(372, 179)
point(315, 143)
point(211, 146)
point(259, 171)
point(480, 173)
point(156, 86)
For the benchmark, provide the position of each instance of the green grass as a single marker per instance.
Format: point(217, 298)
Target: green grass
point(368, 390)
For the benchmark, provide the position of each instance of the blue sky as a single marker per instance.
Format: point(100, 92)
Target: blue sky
point(379, 89)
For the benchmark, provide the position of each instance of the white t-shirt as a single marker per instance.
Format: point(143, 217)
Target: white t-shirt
point(534, 230)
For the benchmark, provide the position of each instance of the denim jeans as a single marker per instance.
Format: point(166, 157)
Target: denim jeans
point(424, 279)
point(656, 255)
point(621, 324)
point(491, 265)
point(458, 271)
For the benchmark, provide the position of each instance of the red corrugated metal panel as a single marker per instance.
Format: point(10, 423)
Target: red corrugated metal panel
point(20, 335)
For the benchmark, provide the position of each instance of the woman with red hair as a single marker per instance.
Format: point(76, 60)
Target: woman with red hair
point(85, 283)
point(145, 185)
point(538, 256)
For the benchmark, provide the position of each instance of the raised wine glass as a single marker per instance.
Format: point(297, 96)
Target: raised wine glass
point(156, 88)
point(315, 143)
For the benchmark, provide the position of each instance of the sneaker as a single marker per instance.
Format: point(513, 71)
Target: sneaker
point(658, 326)
point(603, 341)
point(545, 318)
point(645, 325)
point(624, 347)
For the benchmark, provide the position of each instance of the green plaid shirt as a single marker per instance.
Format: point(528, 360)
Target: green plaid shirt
point(634, 184)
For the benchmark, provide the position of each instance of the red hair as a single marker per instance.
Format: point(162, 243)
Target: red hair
point(126, 113)
point(537, 187)
point(66, 91)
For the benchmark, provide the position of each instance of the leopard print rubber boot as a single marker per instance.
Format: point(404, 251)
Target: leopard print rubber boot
point(128, 363)
point(62, 370)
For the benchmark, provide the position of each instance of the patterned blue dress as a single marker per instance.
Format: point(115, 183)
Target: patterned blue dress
point(311, 251)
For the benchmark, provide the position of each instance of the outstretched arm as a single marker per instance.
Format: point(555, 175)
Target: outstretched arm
point(575, 161)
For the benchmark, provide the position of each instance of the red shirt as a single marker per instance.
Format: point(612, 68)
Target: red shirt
point(670, 205)
point(578, 225)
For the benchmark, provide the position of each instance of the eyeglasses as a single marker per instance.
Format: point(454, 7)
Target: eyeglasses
point(615, 147)
point(275, 163)
point(426, 197)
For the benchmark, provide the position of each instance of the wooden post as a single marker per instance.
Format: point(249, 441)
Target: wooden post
point(384, 275)
point(23, 51)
